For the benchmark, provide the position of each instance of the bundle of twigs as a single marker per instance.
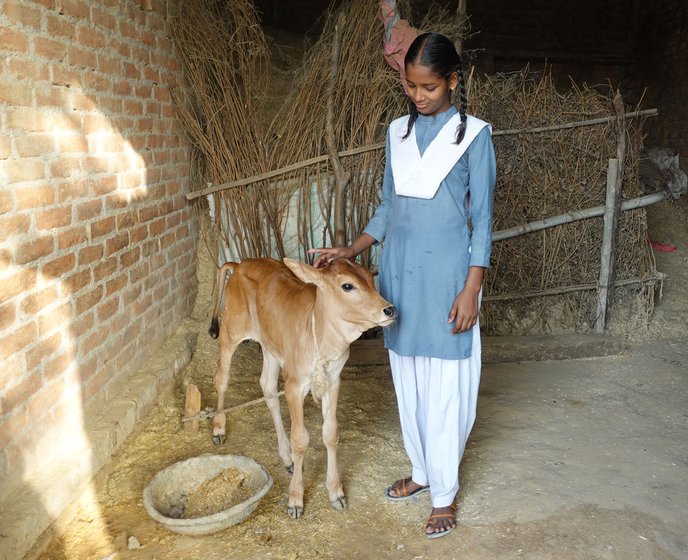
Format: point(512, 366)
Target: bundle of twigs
point(224, 54)
point(546, 174)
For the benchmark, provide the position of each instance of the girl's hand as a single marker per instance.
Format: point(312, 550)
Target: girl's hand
point(328, 254)
point(464, 311)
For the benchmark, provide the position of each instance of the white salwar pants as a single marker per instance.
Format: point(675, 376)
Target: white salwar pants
point(437, 406)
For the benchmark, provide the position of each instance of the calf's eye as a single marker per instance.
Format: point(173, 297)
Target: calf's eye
point(348, 287)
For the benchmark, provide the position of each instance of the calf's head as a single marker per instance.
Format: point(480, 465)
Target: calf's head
point(346, 292)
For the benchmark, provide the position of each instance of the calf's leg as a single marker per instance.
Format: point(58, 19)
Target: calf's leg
point(329, 435)
point(227, 346)
point(269, 379)
point(295, 395)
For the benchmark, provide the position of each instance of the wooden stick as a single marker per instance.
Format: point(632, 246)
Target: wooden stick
point(209, 412)
point(341, 176)
point(631, 204)
point(659, 277)
point(600, 120)
point(192, 407)
point(355, 151)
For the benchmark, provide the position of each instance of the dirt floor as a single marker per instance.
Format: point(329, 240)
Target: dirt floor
point(574, 459)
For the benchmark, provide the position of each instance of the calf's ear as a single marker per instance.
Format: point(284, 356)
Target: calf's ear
point(304, 272)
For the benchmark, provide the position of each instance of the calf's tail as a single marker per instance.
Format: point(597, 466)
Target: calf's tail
point(214, 329)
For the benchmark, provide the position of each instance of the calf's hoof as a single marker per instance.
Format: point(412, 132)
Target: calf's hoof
point(219, 439)
point(295, 512)
point(339, 504)
point(290, 468)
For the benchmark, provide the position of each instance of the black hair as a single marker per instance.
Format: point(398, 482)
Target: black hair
point(436, 52)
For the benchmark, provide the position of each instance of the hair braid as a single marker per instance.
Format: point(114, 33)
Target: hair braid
point(463, 104)
point(413, 115)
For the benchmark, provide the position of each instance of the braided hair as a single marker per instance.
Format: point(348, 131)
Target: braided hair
point(436, 52)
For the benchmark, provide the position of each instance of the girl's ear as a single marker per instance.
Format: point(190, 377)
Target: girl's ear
point(453, 81)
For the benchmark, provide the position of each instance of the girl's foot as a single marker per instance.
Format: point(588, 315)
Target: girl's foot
point(404, 489)
point(441, 522)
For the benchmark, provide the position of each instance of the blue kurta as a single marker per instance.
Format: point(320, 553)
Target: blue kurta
point(428, 246)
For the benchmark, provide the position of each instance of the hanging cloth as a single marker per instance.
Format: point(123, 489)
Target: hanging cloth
point(420, 176)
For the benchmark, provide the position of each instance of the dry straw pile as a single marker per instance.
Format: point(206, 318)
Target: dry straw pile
point(341, 99)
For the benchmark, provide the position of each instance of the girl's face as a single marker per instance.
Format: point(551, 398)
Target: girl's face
point(428, 91)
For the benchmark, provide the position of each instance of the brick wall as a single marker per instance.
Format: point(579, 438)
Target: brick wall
point(97, 243)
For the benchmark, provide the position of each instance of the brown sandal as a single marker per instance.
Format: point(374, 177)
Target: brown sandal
point(401, 486)
point(431, 523)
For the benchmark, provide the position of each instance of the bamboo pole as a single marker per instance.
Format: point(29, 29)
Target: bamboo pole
point(611, 222)
point(659, 277)
point(355, 151)
point(631, 204)
point(341, 176)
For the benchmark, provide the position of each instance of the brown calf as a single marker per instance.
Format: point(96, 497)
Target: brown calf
point(304, 318)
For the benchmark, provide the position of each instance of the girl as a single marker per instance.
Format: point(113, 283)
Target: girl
point(435, 218)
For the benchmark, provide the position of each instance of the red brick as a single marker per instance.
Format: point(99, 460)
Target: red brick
point(78, 280)
point(8, 314)
point(12, 425)
point(13, 40)
point(130, 257)
point(52, 95)
point(65, 167)
point(34, 197)
point(104, 185)
point(103, 19)
point(97, 164)
point(58, 366)
point(37, 248)
point(23, 69)
point(26, 118)
point(71, 189)
point(5, 147)
point(89, 37)
point(71, 237)
point(138, 234)
point(93, 341)
point(16, 282)
point(71, 143)
point(54, 218)
point(157, 227)
point(82, 58)
point(108, 309)
point(13, 224)
point(55, 318)
point(46, 398)
point(60, 266)
point(21, 170)
point(89, 300)
point(109, 64)
point(76, 8)
point(89, 209)
point(102, 227)
point(59, 26)
point(105, 269)
point(42, 350)
point(115, 285)
point(66, 76)
point(49, 48)
point(34, 303)
point(116, 243)
point(35, 144)
point(90, 254)
point(17, 340)
point(82, 324)
point(22, 14)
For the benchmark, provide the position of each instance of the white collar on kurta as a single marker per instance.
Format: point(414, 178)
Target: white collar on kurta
point(420, 177)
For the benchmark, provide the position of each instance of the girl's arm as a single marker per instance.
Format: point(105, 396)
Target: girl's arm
point(482, 176)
